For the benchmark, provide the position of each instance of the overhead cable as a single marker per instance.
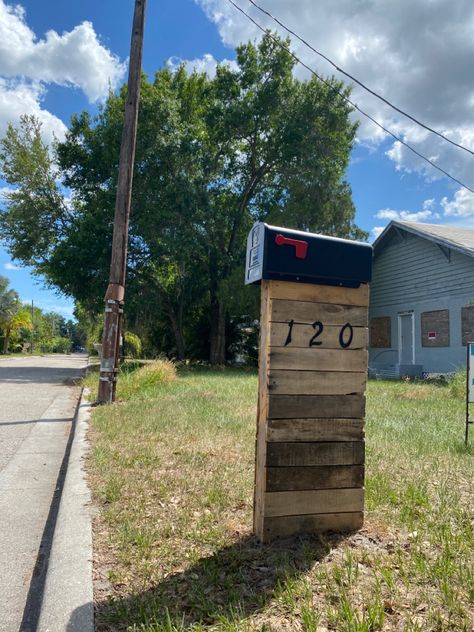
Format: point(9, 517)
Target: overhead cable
point(351, 103)
point(360, 83)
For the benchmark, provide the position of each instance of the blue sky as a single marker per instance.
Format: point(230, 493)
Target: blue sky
point(418, 57)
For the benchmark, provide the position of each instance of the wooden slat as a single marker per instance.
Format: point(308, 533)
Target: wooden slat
point(283, 382)
point(301, 334)
point(317, 359)
point(262, 410)
point(290, 430)
point(324, 453)
point(321, 293)
point(283, 527)
point(303, 406)
point(314, 501)
point(304, 478)
point(305, 312)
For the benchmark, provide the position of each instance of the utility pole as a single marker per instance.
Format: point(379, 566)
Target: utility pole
point(114, 297)
point(32, 324)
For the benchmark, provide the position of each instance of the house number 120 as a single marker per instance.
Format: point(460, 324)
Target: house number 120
point(345, 335)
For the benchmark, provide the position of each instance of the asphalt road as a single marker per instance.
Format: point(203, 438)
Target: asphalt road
point(37, 406)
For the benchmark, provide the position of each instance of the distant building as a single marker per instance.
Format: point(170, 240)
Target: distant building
point(422, 299)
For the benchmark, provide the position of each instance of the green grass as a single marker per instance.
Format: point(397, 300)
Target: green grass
point(172, 474)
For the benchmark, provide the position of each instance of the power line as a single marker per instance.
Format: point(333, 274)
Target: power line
point(352, 103)
point(360, 83)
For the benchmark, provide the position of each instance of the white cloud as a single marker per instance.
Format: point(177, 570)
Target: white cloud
point(17, 98)
point(376, 231)
point(405, 216)
point(416, 54)
point(74, 58)
point(207, 63)
point(49, 305)
point(11, 266)
point(461, 205)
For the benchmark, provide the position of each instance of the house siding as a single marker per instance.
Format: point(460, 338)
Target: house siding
point(412, 274)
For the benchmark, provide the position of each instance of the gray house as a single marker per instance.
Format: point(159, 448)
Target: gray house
point(422, 299)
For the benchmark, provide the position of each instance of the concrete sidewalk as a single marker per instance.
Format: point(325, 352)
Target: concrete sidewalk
point(68, 597)
point(37, 441)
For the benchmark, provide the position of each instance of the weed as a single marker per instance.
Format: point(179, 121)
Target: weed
point(172, 473)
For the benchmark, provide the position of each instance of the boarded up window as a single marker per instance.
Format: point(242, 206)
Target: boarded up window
point(435, 328)
point(467, 324)
point(380, 332)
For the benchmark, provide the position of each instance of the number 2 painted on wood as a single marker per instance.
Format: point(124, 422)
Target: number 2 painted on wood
point(313, 342)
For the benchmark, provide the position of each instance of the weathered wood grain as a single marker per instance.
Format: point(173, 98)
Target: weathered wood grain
point(301, 334)
point(262, 409)
point(438, 322)
point(313, 502)
point(303, 406)
point(327, 313)
point(323, 453)
point(321, 293)
point(283, 382)
point(291, 430)
point(285, 526)
point(315, 477)
point(381, 332)
point(317, 359)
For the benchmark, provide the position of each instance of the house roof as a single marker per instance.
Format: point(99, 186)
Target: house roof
point(453, 237)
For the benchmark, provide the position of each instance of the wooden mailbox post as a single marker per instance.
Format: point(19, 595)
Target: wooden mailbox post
point(309, 472)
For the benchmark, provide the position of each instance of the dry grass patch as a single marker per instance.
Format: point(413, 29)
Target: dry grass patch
point(172, 475)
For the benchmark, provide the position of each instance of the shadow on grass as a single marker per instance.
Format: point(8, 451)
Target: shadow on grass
point(227, 586)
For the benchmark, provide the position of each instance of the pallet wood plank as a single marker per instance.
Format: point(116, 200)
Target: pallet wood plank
point(301, 335)
point(283, 527)
point(262, 409)
point(313, 502)
point(322, 453)
point(317, 359)
point(321, 293)
point(315, 477)
point(291, 430)
point(305, 406)
point(283, 382)
point(329, 314)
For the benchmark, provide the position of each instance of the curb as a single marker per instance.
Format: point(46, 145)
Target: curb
point(68, 604)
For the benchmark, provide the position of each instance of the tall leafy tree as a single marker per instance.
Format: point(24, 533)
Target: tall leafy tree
point(213, 156)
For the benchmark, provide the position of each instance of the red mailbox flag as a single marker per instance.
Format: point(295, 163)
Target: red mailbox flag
point(301, 247)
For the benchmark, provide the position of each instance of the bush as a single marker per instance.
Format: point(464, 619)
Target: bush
point(57, 344)
point(457, 385)
point(132, 345)
point(145, 378)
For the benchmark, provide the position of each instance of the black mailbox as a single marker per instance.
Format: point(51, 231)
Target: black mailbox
point(293, 255)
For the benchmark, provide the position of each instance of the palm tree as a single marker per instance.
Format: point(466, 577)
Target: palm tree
point(16, 320)
point(12, 315)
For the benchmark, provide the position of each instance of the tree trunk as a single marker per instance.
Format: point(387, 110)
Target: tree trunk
point(178, 334)
point(6, 341)
point(217, 350)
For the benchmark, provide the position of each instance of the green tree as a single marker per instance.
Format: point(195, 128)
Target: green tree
point(213, 156)
point(12, 315)
point(16, 321)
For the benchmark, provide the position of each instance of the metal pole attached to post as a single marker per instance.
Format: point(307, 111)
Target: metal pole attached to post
point(468, 366)
point(114, 297)
point(32, 324)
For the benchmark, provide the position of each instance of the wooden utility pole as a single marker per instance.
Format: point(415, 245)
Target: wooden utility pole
point(114, 297)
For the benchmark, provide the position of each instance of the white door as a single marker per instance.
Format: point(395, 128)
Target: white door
point(406, 338)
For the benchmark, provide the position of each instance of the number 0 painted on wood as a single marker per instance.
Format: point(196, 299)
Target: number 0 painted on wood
point(346, 343)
